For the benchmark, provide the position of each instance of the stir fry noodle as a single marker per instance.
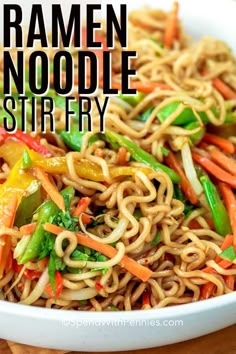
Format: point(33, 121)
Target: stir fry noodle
point(141, 216)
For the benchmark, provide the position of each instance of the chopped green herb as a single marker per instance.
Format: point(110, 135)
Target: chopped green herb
point(83, 302)
point(157, 42)
point(60, 265)
point(103, 269)
point(156, 239)
point(114, 308)
point(47, 245)
point(138, 214)
point(100, 257)
point(165, 151)
point(74, 270)
point(178, 193)
point(79, 256)
point(113, 244)
point(188, 207)
point(65, 220)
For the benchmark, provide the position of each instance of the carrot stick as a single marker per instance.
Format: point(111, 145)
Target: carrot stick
point(171, 26)
point(7, 219)
point(229, 281)
point(174, 163)
point(223, 263)
point(228, 241)
point(145, 87)
point(28, 229)
point(82, 206)
point(131, 265)
point(230, 202)
point(9, 262)
point(224, 89)
point(222, 143)
point(207, 290)
point(214, 170)
point(121, 156)
point(52, 191)
point(194, 224)
point(224, 161)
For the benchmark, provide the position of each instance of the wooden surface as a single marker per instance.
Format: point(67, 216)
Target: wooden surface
point(221, 342)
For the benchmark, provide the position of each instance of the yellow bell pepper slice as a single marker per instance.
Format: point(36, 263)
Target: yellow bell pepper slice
point(87, 169)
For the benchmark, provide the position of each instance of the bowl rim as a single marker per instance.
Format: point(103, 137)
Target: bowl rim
point(170, 312)
point(34, 312)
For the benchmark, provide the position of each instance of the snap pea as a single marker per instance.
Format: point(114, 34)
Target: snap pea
point(196, 137)
point(139, 154)
point(145, 115)
point(219, 214)
point(132, 99)
point(28, 205)
point(60, 103)
point(46, 212)
point(74, 138)
point(186, 116)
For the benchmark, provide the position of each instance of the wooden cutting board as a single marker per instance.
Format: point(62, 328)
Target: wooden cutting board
point(221, 342)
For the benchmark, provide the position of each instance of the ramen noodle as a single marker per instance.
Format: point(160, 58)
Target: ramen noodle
point(143, 215)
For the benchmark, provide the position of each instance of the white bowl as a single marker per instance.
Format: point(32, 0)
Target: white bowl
point(111, 331)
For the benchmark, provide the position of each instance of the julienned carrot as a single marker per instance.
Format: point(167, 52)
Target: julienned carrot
point(7, 219)
point(222, 143)
point(214, 170)
point(171, 26)
point(230, 202)
point(207, 290)
point(28, 229)
point(174, 163)
point(86, 219)
point(121, 156)
point(131, 265)
point(223, 263)
point(224, 161)
point(145, 87)
point(9, 262)
point(224, 89)
point(229, 281)
point(52, 191)
point(82, 206)
point(194, 224)
point(228, 241)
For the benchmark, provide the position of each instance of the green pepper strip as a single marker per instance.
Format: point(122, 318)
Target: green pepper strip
point(74, 139)
point(140, 155)
point(46, 211)
point(219, 214)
